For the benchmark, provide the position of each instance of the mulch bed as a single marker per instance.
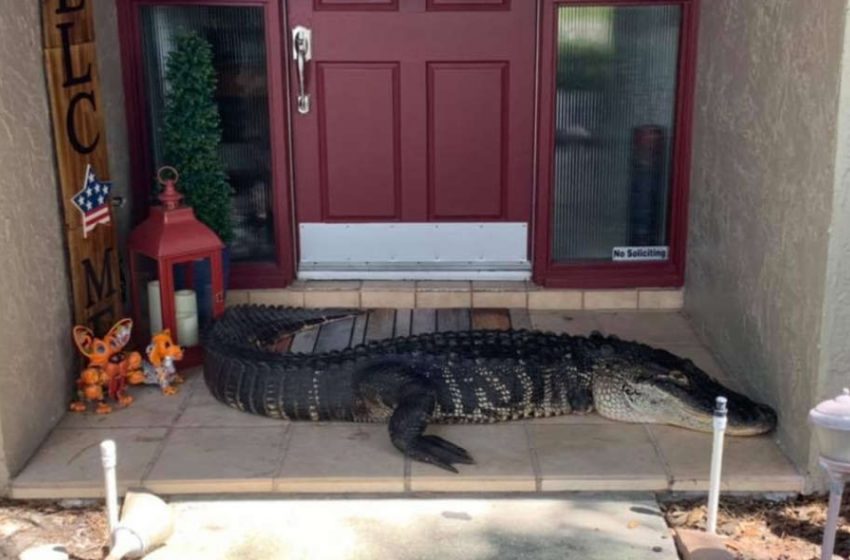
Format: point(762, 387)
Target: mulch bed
point(80, 526)
point(766, 529)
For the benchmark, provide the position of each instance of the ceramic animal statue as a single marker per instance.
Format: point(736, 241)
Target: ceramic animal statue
point(159, 368)
point(105, 376)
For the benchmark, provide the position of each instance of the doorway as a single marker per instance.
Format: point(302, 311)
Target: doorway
point(437, 139)
point(412, 125)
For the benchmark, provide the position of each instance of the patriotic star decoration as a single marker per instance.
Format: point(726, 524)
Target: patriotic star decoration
point(93, 201)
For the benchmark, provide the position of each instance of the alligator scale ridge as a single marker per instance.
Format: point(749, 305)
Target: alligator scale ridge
point(477, 376)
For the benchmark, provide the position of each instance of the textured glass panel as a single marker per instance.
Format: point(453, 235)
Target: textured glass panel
point(237, 37)
point(614, 113)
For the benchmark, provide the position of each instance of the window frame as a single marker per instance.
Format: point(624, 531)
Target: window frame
point(244, 275)
point(609, 274)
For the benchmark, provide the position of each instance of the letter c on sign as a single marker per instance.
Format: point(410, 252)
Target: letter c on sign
point(69, 123)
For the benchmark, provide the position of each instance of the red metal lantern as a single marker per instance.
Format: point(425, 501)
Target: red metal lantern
point(176, 277)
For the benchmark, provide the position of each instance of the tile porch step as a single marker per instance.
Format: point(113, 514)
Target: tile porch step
point(257, 455)
point(434, 294)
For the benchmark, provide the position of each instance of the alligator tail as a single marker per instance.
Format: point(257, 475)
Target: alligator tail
point(241, 368)
point(264, 325)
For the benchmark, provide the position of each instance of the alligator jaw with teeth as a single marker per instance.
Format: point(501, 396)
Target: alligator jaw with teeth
point(477, 376)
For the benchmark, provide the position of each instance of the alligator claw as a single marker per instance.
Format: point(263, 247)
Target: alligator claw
point(458, 454)
point(436, 451)
point(418, 453)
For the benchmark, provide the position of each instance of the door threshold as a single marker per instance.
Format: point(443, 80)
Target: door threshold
point(507, 275)
point(518, 269)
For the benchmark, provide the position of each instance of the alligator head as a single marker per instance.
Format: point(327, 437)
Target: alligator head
point(661, 388)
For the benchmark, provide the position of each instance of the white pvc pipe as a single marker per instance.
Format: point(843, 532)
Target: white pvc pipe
point(716, 463)
point(109, 458)
point(125, 543)
point(836, 489)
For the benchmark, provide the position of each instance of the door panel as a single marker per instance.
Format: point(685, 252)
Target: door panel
point(355, 5)
point(358, 118)
point(415, 116)
point(467, 140)
point(470, 5)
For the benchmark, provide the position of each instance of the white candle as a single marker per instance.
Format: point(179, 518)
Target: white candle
point(185, 302)
point(186, 311)
point(187, 330)
point(154, 307)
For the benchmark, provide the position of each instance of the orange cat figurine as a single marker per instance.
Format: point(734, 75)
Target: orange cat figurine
point(108, 367)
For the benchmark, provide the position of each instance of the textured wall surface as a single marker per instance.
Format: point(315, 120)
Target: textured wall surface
point(112, 95)
point(35, 343)
point(762, 193)
point(834, 371)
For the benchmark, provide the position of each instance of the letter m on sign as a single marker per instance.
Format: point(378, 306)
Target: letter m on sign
point(99, 283)
point(102, 297)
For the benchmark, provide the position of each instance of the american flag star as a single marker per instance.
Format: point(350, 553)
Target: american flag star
point(93, 201)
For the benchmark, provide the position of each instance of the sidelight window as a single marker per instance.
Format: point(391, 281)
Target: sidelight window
point(614, 120)
point(615, 133)
point(237, 37)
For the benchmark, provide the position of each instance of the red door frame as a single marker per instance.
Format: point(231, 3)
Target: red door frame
point(545, 272)
point(590, 275)
point(244, 275)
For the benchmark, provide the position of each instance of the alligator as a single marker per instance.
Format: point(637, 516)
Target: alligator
point(476, 376)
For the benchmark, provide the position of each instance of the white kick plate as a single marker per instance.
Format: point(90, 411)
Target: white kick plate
point(450, 251)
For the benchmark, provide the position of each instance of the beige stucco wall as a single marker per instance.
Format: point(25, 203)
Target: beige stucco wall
point(35, 344)
point(762, 195)
point(834, 370)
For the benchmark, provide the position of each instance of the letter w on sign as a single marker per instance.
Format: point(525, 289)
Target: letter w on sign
point(80, 142)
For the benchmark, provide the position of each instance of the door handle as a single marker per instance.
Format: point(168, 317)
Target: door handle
point(302, 52)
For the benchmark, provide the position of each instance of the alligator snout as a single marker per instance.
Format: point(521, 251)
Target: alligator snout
point(752, 419)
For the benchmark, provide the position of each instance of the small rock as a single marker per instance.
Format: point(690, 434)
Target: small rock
point(697, 545)
point(460, 515)
point(679, 518)
point(694, 517)
point(729, 528)
point(76, 503)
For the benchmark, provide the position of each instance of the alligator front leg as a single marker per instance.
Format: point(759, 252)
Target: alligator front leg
point(407, 427)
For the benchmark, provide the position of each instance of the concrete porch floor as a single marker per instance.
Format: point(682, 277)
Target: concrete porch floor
point(480, 527)
point(191, 444)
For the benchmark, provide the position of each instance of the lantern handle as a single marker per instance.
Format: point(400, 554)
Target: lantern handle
point(169, 197)
point(173, 171)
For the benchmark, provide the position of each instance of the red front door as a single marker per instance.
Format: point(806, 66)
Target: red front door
point(419, 110)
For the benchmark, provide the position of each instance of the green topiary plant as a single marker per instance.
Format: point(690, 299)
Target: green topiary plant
point(192, 132)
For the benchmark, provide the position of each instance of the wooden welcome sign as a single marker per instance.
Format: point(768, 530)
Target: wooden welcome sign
point(83, 167)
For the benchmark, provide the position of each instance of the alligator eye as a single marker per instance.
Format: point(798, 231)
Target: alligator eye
point(629, 390)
